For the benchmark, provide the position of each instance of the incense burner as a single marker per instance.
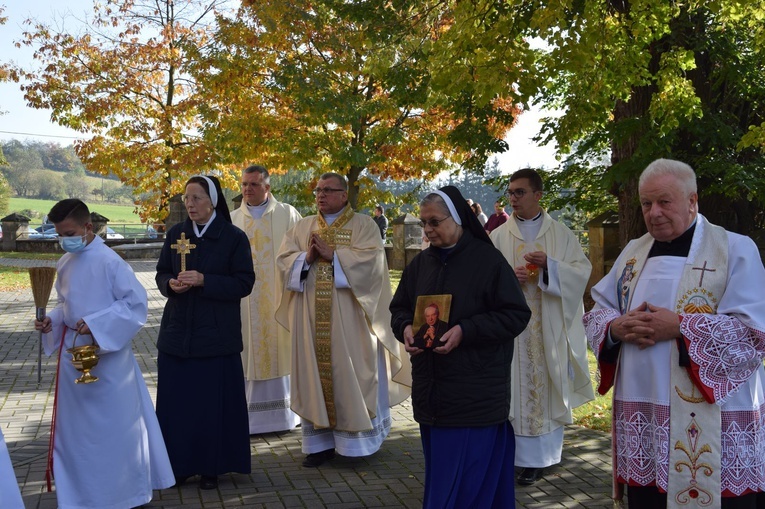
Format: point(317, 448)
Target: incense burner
point(84, 358)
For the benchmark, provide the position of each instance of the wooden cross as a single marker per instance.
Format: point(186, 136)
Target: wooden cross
point(703, 269)
point(184, 247)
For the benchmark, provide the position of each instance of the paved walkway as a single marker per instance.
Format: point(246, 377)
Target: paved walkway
point(392, 478)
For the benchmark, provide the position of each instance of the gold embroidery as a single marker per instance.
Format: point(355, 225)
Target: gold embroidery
point(531, 348)
point(694, 493)
point(693, 398)
point(697, 300)
point(263, 350)
point(325, 281)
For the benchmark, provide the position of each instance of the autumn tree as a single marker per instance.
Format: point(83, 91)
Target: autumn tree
point(343, 86)
point(666, 79)
point(121, 79)
point(635, 81)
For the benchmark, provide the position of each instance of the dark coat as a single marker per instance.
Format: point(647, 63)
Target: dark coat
point(205, 321)
point(470, 386)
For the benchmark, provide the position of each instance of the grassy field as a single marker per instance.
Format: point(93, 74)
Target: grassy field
point(115, 213)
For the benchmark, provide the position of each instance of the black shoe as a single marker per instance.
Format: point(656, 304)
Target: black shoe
point(318, 458)
point(181, 480)
point(208, 482)
point(529, 476)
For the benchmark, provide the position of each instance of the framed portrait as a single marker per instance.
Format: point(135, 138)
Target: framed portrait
point(431, 320)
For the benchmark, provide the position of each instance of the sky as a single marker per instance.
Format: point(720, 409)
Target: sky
point(20, 121)
point(28, 124)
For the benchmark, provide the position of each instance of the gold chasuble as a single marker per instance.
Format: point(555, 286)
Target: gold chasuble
point(338, 317)
point(267, 350)
point(335, 236)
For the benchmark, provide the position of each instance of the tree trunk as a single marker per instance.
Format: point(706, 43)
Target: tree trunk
point(353, 185)
point(631, 224)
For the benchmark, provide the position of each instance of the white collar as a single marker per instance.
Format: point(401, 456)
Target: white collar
point(199, 233)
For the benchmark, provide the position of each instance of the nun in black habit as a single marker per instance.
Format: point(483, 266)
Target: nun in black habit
point(201, 403)
point(460, 389)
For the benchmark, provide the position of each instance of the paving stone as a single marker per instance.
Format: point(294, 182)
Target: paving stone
point(392, 478)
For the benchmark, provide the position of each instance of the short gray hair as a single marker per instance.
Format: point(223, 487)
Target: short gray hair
point(682, 172)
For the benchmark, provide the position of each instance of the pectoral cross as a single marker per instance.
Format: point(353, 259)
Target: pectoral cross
point(184, 247)
point(703, 269)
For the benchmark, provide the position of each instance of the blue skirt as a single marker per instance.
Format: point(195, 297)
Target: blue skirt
point(202, 410)
point(469, 468)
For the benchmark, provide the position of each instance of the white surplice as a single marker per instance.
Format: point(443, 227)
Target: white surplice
point(10, 496)
point(267, 346)
point(726, 350)
point(550, 375)
point(109, 452)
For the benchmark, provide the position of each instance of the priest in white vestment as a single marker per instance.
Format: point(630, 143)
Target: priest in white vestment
point(335, 304)
point(679, 330)
point(108, 450)
point(550, 374)
point(266, 355)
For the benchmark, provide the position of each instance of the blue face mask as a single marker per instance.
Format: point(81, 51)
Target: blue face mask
point(72, 244)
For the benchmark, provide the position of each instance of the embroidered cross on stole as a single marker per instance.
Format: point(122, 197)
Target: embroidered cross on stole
point(695, 425)
point(335, 236)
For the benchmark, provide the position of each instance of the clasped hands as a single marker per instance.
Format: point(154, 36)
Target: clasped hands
point(449, 341)
point(645, 325)
point(186, 280)
point(317, 248)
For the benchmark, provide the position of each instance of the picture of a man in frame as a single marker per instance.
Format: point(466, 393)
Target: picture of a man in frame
point(434, 327)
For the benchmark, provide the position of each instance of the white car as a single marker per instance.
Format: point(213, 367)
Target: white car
point(111, 234)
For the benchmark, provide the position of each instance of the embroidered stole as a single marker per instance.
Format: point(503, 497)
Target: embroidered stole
point(530, 354)
point(261, 347)
point(334, 236)
point(695, 425)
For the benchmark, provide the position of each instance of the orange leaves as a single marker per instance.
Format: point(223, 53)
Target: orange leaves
point(124, 78)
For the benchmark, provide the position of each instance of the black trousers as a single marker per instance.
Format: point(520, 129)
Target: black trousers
point(649, 497)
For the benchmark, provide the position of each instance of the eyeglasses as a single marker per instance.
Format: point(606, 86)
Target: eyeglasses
point(192, 198)
point(518, 193)
point(326, 190)
point(433, 223)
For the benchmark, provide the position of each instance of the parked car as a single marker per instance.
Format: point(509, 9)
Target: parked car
point(46, 231)
point(111, 234)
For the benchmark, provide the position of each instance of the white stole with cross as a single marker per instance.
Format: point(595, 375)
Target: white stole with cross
point(695, 426)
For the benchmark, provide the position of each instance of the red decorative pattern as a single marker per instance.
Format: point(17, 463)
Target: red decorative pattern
point(726, 351)
point(642, 447)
